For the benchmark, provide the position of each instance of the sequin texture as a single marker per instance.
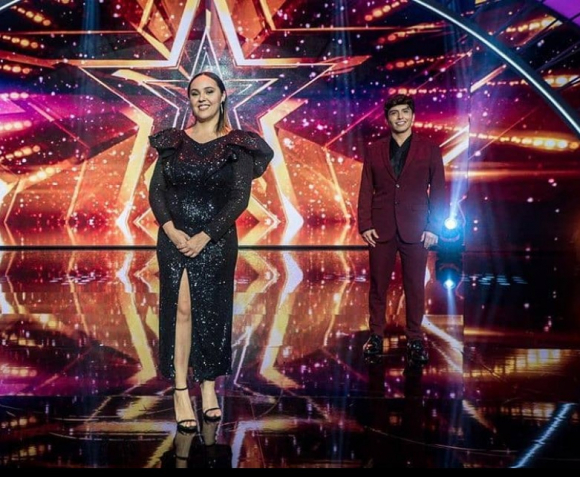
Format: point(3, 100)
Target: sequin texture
point(202, 187)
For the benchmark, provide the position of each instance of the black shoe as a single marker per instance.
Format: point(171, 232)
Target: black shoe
point(373, 346)
point(186, 426)
point(207, 417)
point(416, 352)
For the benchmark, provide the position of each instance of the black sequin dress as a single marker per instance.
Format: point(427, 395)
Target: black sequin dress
point(202, 187)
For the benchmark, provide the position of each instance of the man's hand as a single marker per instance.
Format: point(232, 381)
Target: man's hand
point(429, 239)
point(370, 236)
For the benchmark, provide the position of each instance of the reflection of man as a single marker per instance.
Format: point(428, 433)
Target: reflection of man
point(391, 442)
point(401, 207)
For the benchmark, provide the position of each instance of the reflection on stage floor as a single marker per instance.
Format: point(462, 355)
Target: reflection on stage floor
point(79, 385)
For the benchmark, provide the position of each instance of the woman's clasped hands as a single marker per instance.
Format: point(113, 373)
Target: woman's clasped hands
point(191, 247)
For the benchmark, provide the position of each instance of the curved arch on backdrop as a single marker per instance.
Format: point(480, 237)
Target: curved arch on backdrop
point(568, 114)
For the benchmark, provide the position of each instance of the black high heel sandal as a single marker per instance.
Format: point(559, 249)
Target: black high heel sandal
point(208, 418)
point(205, 412)
point(185, 424)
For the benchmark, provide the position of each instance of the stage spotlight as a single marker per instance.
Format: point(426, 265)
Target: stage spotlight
point(449, 284)
point(451, 223)
point(448, 270)
point(451, 238)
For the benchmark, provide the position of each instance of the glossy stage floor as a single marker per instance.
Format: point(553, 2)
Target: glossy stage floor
point(79, 384)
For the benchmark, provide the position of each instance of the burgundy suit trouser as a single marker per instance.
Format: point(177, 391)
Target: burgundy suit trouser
point(413, 264)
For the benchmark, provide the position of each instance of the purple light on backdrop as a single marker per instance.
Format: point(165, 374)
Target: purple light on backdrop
point(567, 8)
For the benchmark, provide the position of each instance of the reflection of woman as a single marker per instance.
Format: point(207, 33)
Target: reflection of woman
point(191, 452)
point(217, 456)
point(179, 455)
point(200, 185)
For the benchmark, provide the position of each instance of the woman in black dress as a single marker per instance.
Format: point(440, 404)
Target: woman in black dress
point(200, 185)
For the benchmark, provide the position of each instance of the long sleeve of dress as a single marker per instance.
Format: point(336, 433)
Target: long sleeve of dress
point(238, 198)
point(250, 157)
point(166, 142)
point(157, 195)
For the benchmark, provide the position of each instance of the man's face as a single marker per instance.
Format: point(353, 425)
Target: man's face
point(400, 118)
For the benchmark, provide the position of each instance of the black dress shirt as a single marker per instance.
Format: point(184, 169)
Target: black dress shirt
point(399, 154)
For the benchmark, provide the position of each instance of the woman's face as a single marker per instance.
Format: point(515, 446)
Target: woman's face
point(205, 98)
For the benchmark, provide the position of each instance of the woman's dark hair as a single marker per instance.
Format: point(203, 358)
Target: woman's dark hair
point(398, 99)
point(223, 124)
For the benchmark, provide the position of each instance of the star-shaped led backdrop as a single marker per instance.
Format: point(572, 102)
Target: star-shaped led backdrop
point(84, 84)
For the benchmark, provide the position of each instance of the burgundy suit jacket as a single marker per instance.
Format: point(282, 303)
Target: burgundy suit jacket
point(411, 204)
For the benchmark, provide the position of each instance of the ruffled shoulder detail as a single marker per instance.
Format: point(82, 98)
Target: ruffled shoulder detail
point(167, 141)
point(252, 144)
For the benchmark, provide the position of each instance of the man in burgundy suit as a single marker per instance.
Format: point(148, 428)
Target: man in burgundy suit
point(401, 207)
